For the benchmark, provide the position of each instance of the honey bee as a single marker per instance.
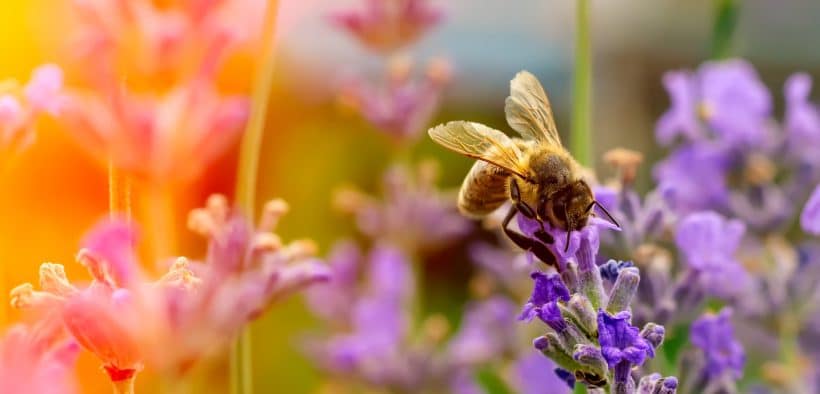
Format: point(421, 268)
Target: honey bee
point(535, 172)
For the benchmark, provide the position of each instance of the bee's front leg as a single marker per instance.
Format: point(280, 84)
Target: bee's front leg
point(529, 213)
point(537, 248)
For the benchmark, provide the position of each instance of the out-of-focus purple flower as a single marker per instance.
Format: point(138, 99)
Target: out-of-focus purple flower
point(693, 178)
point(334, 300)
point(385, 26)
point(810, 217)
point(735, 103)
point(413, 214)
point(402, 106)
point(535, 374)
point(485, 332)
point(390, 274)
point(502, 264)
point(714, 336)
point(681, 118)
point(620, 341)
point(708, 243)
point(547, 290)
point(37, 359)
point(727, 96)
point(463, 382)
point(802, 119)
point(762, 207)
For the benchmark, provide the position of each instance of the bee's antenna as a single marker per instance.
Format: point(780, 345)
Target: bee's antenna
point(615, 222)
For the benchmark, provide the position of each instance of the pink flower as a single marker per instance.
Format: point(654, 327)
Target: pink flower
point(154, 105)
point(154, 40)
point(37, 359)
point(387, 25)
point(128, 320)
point(402, 106)
point(20, 106)
point(412, 214)
point(171, 136)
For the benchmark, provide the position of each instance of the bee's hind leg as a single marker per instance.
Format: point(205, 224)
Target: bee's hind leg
point(537, 248)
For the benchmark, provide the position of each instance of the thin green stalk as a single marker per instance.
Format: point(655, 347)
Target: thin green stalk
point(726, 17)
point(579, 141)
point(241, 353)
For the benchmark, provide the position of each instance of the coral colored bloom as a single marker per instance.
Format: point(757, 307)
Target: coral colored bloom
point(387, 25)
point(37, 359)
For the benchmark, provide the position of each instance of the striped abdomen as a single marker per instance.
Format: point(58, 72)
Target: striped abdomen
point(483, 190)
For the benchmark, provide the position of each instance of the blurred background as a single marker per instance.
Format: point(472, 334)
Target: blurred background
point(53, 192)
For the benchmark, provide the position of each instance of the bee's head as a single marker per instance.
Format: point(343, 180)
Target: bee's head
point(569, 207)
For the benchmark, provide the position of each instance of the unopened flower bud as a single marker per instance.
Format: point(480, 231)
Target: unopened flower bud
point(591, 359)
point(653, 333)
point(581, 311)
point(623, 290)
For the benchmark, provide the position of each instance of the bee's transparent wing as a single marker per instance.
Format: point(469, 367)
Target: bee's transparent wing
point(528, 110)
point(480, 142)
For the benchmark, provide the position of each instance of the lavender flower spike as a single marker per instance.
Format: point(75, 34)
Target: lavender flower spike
point(810, 218)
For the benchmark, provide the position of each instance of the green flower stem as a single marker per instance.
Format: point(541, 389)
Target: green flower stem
point(726, 16)
point(579, 141)
point(246, 182)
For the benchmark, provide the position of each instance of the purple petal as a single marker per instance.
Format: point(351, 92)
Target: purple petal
point(810, 217)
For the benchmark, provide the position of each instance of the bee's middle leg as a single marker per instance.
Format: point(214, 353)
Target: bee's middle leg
point(537, 248)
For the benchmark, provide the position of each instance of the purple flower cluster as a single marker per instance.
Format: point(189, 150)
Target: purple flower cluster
point(722, 114)
point(369, 303)
point(590, 335)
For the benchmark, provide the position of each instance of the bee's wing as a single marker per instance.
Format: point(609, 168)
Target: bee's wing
point(480, 142)
point(528, 110)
